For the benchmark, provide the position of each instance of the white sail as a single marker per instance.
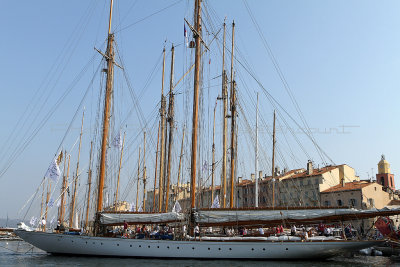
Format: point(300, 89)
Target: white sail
point(119, 218)
point(298, 215)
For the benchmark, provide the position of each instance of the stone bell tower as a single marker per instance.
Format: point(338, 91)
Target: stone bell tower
point(384, 177)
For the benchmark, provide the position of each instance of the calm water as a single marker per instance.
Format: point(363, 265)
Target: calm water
point(15, 253)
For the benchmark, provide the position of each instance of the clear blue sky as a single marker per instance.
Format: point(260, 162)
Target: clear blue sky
point(340, 58)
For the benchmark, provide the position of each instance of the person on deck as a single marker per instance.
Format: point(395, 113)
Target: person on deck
point(293, 230)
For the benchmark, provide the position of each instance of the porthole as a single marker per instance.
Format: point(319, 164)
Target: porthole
point(177, 247)
point(252, 248)
point(148, 246)
point(208, 248)
point(287, 249)
point(263, 248)
point(118, 245)
point(130, 245)
point(219, 248)
point(168, 247)
point(101, 243)
point(86, 242)
point(192, 247)
point(230, 248)
point(140, 246)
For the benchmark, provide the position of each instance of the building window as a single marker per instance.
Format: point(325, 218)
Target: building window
point(339, 202)
point(382, 181)
point(327, 203)
point(352, 202)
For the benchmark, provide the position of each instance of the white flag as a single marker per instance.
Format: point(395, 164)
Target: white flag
point(215, 204)
point(117, 142)
point(177, 207)
point(53, 172)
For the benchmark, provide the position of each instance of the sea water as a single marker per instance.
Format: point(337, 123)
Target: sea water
point(19, 253)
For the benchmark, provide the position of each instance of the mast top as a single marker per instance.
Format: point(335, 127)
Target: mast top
point(109, 22)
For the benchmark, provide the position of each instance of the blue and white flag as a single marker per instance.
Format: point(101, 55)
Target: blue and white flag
point(33, 221)
point(117, 142)
point(53, 172)
point(51, 203)
point(177, 207)
point(215, 204)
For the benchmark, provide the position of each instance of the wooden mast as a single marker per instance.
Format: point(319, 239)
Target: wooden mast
point(171, 126)
point(89, 186)
point(107, 112)
point(155, 170)
point(119, 173)
point(233, 121)
point(41, 204)
point(225, 122)
point(47, 203)
point(273, 164)
point(162, 151)
point(66, 187)
point(144, 172)
point(196, 86)
point(213, 158)
point(63, 187)
point(72, 211)
point(138, 180)
point(180, 166)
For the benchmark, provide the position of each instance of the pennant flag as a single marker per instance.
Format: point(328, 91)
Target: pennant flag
point(215, 204)
point(53, 172)
point(117, 142)
point(177, 207)
point(185, 34)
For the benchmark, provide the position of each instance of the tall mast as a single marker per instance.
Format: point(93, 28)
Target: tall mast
point(225, 122)
point(144, 172)
point(171, 125)
point(119, 173)
point(89, 186)
point(155, 170)
point(47, 202)
point(72, 212)
point(162, 152)
point(273, 164)
point(180, 166)
point(107, 111)
point(41, 204)
point(63, 187)
point(66, 187)
point(256, 159)
point(195, 102)
point(233, 120)
point(138, 181)
point(213, 158)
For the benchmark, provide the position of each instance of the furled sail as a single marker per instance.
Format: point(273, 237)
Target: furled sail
point(140, 218)
point(212, 217)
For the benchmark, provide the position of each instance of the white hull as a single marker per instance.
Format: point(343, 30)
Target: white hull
point(118, 247)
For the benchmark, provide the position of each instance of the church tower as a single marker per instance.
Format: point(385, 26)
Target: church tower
point(384, 177)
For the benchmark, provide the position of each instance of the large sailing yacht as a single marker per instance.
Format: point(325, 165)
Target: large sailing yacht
point(218, 247)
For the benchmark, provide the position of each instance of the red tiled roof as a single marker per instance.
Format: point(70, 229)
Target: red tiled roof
point(347, 186)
